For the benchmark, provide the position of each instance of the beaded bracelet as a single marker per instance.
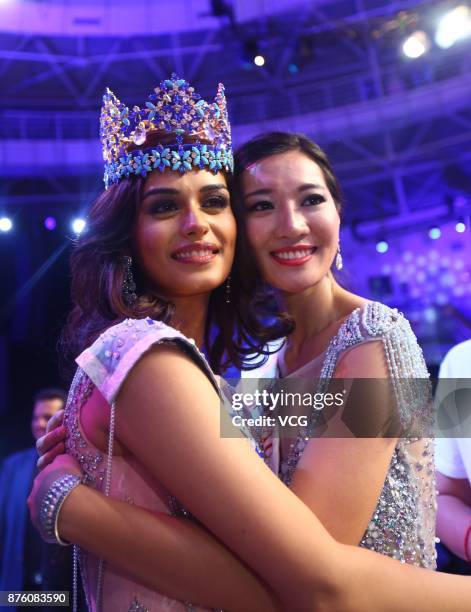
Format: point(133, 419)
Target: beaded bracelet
point(51, 505)
point(466, 541)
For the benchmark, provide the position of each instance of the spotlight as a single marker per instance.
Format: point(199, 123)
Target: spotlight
point(454, 26)
point(434, 233)
point(460, 227)
point(293, 68)
point(441, 298)
point(78, 225)
point(416, 45)
point(50, 223)
point(382, 246)
point(430, 315)
point(259, 60)
point(5, 224)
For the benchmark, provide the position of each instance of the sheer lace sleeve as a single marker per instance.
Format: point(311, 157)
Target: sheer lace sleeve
point(108, 361)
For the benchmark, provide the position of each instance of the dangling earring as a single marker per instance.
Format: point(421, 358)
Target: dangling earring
point(338, 258)
point(228, 289)
point(129, 286)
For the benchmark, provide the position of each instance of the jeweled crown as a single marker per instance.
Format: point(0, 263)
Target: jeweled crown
point(202, 132)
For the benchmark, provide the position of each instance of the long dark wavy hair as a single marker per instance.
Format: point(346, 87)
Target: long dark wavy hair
point(259, 299)
point(232, 332)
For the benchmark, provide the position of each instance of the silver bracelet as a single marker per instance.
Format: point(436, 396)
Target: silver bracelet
point(51, 505)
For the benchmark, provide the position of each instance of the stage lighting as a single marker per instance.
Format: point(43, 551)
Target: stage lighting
point(460, 227)
point(416, 45)
point(5, 224)
point(78, 225)
point(434, 233)
point(293, 68)
point(454, 26)
point(382, 246)
point(50, 223)
point(430, 315)
point(259, 60)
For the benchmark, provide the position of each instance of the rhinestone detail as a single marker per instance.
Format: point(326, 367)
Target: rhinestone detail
point(403, 523)
point(137, 607)
point(90, 462)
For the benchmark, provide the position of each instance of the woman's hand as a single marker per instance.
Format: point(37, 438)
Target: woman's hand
point(60, 466)
point(53, 442)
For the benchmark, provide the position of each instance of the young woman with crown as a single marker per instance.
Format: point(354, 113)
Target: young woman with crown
point(148, 275)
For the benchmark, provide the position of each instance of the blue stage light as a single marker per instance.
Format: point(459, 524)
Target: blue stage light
point(50, 223)
point(382, 246)
point(5, 224)
point(78, 225)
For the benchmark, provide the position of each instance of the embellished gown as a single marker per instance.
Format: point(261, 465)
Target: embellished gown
point(105, 365)
point(403, 523)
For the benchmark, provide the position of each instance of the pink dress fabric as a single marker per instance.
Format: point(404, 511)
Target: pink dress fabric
point(105, 365)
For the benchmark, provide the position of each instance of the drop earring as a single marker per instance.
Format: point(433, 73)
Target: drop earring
point(228, 289)
point(338, 258)
point(129, 286)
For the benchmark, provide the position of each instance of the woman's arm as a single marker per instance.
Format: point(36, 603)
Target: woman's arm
point(454, 513)
point(223, 483)
point(170, 555)
point(340, 476)
point(173, 430)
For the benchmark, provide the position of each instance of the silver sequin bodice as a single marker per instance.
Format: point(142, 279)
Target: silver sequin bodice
point(403, 523)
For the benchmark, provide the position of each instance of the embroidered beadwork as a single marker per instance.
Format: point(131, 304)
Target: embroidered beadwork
point(403, 524)
point(137, 607)
point(76, 444)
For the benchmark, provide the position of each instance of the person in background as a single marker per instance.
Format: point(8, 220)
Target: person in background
point(26, 563)
point(453, 463)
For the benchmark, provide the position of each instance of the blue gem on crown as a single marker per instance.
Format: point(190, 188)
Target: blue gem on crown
point(202, 133)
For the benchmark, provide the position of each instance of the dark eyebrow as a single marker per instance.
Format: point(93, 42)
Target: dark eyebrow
point(160, 190)
point(171, 191)
point(258, 192)
point(300, 188)
point(310, 186)
point(213, 188)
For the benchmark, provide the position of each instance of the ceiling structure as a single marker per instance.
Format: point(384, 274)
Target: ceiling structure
point(398, 131)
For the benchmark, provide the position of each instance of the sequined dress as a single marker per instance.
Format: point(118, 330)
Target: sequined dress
point(403, 523)
point(105, 365)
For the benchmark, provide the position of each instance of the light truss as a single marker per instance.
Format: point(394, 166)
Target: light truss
point(391, 127)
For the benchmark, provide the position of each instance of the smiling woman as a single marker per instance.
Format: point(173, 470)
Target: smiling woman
point(172, 511)
point(293, 222)
point(184, 221)
point(288, 201)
